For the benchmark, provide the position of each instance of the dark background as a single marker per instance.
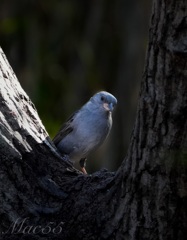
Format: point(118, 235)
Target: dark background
point(64, 51)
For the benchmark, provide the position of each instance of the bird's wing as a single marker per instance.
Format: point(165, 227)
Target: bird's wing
point(66, 128)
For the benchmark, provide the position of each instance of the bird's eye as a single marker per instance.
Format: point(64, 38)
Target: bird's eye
point(102, 98)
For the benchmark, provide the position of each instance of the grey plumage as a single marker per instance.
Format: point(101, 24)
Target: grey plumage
point(87, 128)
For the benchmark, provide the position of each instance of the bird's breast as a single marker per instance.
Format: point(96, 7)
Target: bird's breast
point(93, 131)
point(89, 132)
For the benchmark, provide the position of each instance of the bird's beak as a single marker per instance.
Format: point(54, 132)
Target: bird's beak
point(111, 106)
point(108, 106)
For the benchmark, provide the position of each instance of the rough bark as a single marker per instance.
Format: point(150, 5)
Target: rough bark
point(145, 199)
point(155, 171)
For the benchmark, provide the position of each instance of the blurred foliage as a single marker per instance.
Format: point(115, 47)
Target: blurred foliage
point(63, 51)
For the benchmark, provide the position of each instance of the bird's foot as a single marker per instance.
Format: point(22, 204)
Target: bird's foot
point(83, 170)
point(82, 163)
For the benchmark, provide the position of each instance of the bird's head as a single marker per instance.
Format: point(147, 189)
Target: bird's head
point(105, 100)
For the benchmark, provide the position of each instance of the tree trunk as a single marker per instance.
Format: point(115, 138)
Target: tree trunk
point(44, 197)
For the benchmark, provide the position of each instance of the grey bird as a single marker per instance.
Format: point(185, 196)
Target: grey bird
point(87, 128)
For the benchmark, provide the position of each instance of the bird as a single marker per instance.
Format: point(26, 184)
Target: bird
point(86, 129)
